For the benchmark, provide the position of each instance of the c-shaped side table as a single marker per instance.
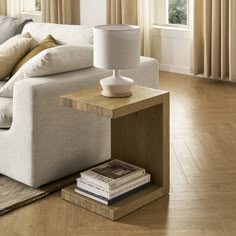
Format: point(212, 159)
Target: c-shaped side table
point(139, 135)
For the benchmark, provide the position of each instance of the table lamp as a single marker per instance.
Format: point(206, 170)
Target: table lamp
point(116, 47)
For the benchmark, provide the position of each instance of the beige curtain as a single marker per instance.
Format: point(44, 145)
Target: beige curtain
point(3, 7)
point(145, 20)
point(122, 12)
point(136, 12)
point(214, 39)
point(60, 11)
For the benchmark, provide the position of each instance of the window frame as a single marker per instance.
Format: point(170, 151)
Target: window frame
point(25, 12)
point(169, 25)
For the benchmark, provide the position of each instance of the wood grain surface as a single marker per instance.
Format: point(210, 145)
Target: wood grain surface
point(91, 100)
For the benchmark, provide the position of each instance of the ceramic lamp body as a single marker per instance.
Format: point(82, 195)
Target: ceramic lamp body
point(116, 47)
point(116, 85)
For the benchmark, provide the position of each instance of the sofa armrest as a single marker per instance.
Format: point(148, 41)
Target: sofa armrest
point(48, 134)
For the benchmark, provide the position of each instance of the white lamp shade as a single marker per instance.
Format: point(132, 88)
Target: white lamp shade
point(116, 47)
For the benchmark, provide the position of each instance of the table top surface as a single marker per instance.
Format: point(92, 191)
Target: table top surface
point(90, 100)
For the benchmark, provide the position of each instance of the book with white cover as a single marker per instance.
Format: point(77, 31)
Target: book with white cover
point(112, 174)
point(81, 184)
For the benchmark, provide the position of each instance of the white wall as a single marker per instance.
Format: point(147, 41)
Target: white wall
point(92, 12)
point(171, 47)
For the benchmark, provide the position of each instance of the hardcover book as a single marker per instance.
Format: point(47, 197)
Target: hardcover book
point(112, 174)
point(109, 194)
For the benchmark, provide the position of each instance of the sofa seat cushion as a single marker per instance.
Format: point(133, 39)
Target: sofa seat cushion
point(6, 112)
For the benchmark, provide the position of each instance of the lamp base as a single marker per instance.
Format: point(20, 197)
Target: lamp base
point(108, 94)
point(116, 85)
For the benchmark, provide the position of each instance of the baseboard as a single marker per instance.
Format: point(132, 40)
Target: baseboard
point(175, 69)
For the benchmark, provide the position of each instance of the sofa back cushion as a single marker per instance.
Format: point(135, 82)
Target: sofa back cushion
point(59, 60)
point(10, 26)
point(64, 34)
point(51, 61)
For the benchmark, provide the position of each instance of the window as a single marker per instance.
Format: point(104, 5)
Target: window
point(37, 5)
point(32, 6)
point(172, 13)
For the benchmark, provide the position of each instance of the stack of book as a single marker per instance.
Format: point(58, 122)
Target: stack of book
point(112, 181)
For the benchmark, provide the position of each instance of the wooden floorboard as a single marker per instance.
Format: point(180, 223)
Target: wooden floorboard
point(202, 201)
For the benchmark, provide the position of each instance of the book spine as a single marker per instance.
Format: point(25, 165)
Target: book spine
point(127, 194)
point(91, 196)
point(113, 184)
point(113, 200)
point(116, 191)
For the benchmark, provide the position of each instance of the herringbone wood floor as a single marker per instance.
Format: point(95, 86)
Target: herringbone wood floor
point(203, 176)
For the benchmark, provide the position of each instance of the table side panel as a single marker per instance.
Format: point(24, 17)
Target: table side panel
point(166, 143)
point(137, 138)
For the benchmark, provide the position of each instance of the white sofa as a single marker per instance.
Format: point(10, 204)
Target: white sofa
point(47, 141)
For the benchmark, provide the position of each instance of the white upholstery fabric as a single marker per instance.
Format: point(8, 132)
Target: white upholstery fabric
point(5, 112)
point(2, 83)
point(64, 34)
point(48, 141)
point(7, 89)
point(58, 60)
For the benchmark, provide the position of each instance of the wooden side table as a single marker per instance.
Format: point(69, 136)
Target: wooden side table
point(139, 135)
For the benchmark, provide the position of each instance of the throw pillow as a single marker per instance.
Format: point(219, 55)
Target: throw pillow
point(48, 42)
point(11, 52)
point(51, 61)
point(60, 59)
point(10, 26)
